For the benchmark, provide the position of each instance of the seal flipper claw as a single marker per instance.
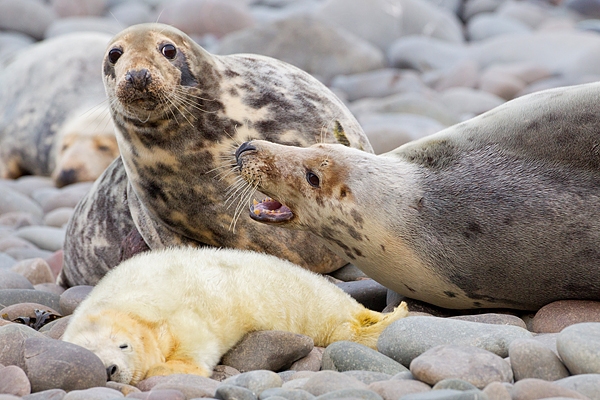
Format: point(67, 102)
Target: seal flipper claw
point(270, 210)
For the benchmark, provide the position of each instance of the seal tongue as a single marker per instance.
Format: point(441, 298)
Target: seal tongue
point(270, 210)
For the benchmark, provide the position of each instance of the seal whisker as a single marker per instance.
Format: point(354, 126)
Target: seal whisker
point(178, 109)
point(185, 90)
point(249, 191)
point(190, 103)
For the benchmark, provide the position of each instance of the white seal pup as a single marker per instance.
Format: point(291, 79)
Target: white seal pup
point(54, 118)
point(179, 113)
point(500, 211)
point(178, 310)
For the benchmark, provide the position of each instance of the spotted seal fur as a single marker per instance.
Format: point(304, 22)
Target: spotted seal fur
point(179, 310)
point(179, 113)
point(500, 211)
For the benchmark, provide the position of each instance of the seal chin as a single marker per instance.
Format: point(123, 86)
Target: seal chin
point(271, 211)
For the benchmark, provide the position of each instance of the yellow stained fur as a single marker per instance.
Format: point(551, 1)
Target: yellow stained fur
point(180, 310)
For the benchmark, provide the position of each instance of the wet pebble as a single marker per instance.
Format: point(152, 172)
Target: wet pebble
point(348, 356)
point(271, 350)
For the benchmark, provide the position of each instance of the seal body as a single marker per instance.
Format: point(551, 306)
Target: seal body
point(54, 120)
point(179, 310)
point(500, 211)
point(179, 113)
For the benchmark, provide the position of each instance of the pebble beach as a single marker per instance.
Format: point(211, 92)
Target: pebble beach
point(406, 69)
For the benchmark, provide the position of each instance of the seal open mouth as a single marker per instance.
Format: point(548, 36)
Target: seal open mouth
point(270, 210)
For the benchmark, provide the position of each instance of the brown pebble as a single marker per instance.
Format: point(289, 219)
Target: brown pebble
point(533, 389)
point(13, 380)
point(222, 372)
point(312, 362)
point(24, 310)
point(556, 316)
point(36, 270)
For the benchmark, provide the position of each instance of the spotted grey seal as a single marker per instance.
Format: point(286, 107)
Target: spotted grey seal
point(500, 211)
point(179, 113)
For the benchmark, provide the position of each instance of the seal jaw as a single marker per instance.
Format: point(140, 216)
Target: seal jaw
point(270, 211)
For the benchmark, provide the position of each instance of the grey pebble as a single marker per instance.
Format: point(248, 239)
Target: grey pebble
point(368, 377)
point(232, 392)
point(531, 359)
point(532, 388)
point(207, 385)
point(95, 393)
point(51, 394)
point(469, 363)
point(328, 381)
point(6, 261)
point(493, 318)
point(13, 241)
point(364, 394)
point(447, 394)
point(453, 383)
point(27, 16)
point(12, 343)
point(367, 292)
point(289, 394)
point(19, 219)
point(256, 381)
point(25, 253)
point(395, 388)
point(12, 200)
point(347, 356)
point(267, 350)
point(409, 337)
point(579, 347)
point(586, 384)
point(45, 237)
point(160, 394)
point(28, 184)
point(52, 364)
point(12, 280)
point(58, 217)
point(8, 297)
point(348, 272)
point(72, 297)
point(312, 362)
point(13, 380)
point(189, 391)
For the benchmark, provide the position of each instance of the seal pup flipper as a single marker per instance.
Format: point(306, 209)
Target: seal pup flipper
point(367, 325)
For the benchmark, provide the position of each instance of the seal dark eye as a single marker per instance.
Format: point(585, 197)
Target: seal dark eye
point(313, 179)
point(114, 55)
point(123, 346)
point(169, 51)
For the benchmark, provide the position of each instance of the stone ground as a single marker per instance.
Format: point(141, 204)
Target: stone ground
point(405, 68)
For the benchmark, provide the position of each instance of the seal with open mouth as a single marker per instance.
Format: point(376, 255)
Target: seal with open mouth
point(180, 112)
point(500, 211)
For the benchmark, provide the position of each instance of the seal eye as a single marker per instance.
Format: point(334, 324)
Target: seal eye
point(169, 51)
point(312, 179)
point(114, 55)
point(124, 346)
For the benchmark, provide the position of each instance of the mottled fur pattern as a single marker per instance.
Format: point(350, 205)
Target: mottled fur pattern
point(178, 123)
point(498, 211)
point(179, 310)
point(44, 88)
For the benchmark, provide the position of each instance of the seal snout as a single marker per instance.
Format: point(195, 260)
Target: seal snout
point(246, 146)
point(111, 371)
point(139, 79)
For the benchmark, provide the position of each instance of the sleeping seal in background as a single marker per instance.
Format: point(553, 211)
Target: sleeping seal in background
point(53, 111)
point(179, 310)
point(179, 113)
point(500, 211)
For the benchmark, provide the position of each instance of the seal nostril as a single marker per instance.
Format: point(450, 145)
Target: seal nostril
point(111, 370)
point(246, 146)
point(66, 177)
point(139, 79)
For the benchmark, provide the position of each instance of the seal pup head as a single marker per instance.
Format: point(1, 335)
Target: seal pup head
point(86, 145)
point(125, 345)
point(147, 69)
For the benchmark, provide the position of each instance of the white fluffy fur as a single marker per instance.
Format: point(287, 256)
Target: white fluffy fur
point(195, 304)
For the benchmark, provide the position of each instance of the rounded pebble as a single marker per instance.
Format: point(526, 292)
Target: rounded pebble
point(579, 347)
point(531, 359)
point(232, 392)
point(36, 270)
point(469, 363)
point(407, 338)
point(328, 381)
point(347, 356)
point(13, 380)
point(12, 280)
point(70, 298)
point(269, 350)
point(556, 316)
point(255, 381)
point(531, 389)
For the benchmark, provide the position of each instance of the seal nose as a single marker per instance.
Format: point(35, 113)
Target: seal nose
point(66, 177)
point(111, 370)
point(138, 79)
point(246, 146)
